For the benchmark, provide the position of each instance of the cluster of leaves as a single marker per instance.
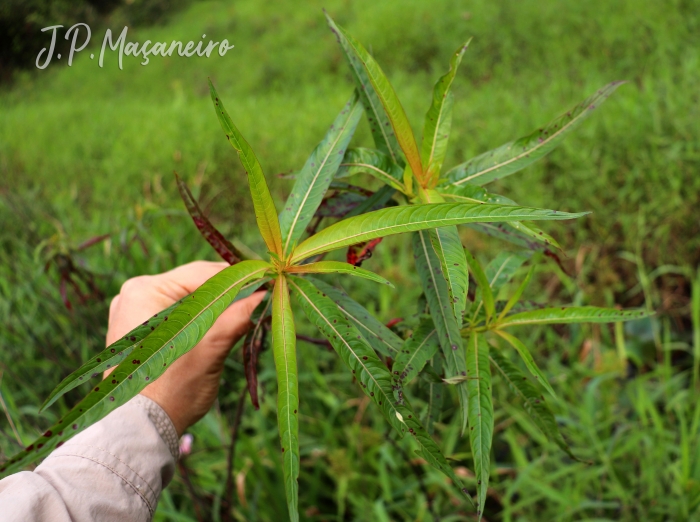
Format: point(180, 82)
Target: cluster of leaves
point(452, 348)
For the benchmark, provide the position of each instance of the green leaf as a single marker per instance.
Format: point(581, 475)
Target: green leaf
point(502, 268)
point(572, 314)
point(513, 299)
point(370, 372)
point(284, 352)
point(315, 177)
point(436, 392)
point(174, 337)
point(374, 163)
point(416, 351)
point(450, 252)
point(527, 236)
point(410, 218)
point(480, 413)
point(264, 206)
point(526, 356)
point(438, 121)
point(384, 92)
point(375, 201)
point(331, 267)
point(107, 358)
point(533, 400)
point(382, 339)
point(516, 155)
point(449, 336)
point(484, 286)
point(382, 132)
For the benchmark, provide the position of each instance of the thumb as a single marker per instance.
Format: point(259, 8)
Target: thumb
point(233, 323)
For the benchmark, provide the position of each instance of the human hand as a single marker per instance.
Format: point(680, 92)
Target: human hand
point(190, 385)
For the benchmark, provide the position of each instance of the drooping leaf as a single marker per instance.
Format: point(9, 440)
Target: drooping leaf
point(264, 206)
point(252, 344)
point(372, 162)
point(480, 413)
point(380, 126)
point(416, 351)
point(502, 268)
point(526, 356)
point(448, 330)
point(572, 314)
point(438, 121)
point(533, 400)
point(372, 375)
point(330, 267)
point(284, 352)
point(484, 288)
point(516, 155)
point(449, 251)
point(315, 177)
point(381, 338)
point(410, 218)
point(174, 337)
point(386, 95)
point(223, 246)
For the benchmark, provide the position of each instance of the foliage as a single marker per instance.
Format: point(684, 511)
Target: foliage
point(440, 258)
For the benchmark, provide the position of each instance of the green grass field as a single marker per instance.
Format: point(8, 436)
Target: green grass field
point(86, 151)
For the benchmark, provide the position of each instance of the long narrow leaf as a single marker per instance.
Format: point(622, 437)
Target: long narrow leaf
point(520, 234)
point(572, 314)
point(410, 218)
point(533, 401)
point(381, 338)
point(484, 287)
point(502, 268)
point(376, 201)
point(216, 239)
point(449, 251)
point(449, 336)
point(284, 351)
point(438, 121)
point(513, 299)
point(526, 356)
point(416, 351)
point(372, 162)
point(331, 267)
point(480, 413)
point(436, 392)
point(174, 337)
point(107, 358)
point(370, 372)
point(386, 95)
point(264, 206)
point(314, 179)
point(516, 155)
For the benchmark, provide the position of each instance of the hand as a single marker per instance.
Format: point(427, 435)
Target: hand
point(190, 385)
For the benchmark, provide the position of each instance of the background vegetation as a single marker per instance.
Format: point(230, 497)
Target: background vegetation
point(86, 151)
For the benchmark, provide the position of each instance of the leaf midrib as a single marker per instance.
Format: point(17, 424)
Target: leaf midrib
point(522, 154)
point(313, 182)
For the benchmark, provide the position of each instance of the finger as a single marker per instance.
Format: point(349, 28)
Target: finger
point(233, 323)
point(113, 307)
point(185, 279)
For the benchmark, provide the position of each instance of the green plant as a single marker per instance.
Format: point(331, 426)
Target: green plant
point(145, 353)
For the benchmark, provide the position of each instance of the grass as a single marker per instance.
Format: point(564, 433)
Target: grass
point(90, 151)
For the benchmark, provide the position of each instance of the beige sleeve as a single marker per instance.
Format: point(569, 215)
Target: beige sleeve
point(112, 471)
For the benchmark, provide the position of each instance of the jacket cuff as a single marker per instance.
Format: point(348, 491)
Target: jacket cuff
point(136, 442)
